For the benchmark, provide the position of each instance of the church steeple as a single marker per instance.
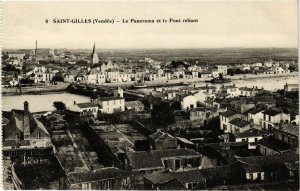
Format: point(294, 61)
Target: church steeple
point(94, 50)
point(95, 59)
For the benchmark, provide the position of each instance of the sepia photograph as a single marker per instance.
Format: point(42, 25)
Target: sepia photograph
point(150, 95)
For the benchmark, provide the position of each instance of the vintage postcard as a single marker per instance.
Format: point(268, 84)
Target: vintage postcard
point(150, 95)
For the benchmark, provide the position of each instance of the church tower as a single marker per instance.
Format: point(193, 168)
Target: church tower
point(95, 59)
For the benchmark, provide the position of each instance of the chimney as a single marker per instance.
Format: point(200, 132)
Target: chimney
point(26, 106)
point(26, 125)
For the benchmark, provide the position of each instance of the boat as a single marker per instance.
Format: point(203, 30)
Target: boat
point(218, 80)
point(140, 85)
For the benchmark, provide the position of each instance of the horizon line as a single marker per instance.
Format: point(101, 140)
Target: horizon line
point(154, 48)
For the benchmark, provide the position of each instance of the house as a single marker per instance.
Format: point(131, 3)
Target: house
point(230, 90)
point(272, 146)
point(249, 92)
point(188, 102)
point(137, 106)
point(110, 104)
point(238, 125)
point(169, 94)
point(222, 69)
point(113, 104)
point(161, 140)
point(81, 112)
point(252, 136)
point(205, 74)
point(112, 75)
point(196, 179)
point(272, 117)
point(225, 118)
point(291, 87)
point(109, 178)
point(142, 163)
point(287, 133)
point(150, 76)
point(266, 168)
point(256, 115)
point(23, 135)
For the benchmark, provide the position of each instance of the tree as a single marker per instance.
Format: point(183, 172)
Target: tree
point(60, 106)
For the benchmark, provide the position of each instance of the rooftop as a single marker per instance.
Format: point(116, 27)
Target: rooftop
point(288, 128)
point(96, 175)
point(152, 159)
point(239, 122)
point(110, 98)
point(271, 112)
point(274, 144)
point(227, 113)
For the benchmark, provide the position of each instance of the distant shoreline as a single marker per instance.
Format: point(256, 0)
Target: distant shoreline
point(168, 82)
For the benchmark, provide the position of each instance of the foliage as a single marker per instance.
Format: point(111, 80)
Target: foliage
point(60, 106)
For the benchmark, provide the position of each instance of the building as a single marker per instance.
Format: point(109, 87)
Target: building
point(136, 106)
point(222, 69)
point(291, 87)
point(238, 125)
point(248, 92)
point(230, 90)
point(141, 163)
point(161, 140)
point(84, 109)
point(225, 118)
point(287, 133)
point(95, 59)
point(109, 178)
point(256, 115)
point(24, 135)
point(251, 136)
point(188, 102)
point(113, 104)
point(273, 117)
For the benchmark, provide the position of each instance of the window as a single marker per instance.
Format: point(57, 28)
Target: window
point(38, 134)
point(18, 136)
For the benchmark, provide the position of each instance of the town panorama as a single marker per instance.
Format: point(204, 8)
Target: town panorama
point(178, 119)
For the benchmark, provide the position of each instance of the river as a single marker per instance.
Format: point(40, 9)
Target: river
point(42, 102)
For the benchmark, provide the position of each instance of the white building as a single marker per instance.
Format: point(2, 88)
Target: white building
point(222, 69)
point(188, 102)
point(272, 118)
point(83, 108)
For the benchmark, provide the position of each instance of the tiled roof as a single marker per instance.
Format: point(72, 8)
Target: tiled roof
point(86, 105)
point(249, 133)
point(271, 112)
point(152, 159)
point(96, 175)
point(274, 144)
point(159, 134)
point(288, 128)
point(110, 98)
point(254, 110)
point(265, 163)
point(227, 113)
point(16, 122)
point(134, 104)
point(160, 177)
point(239, 122)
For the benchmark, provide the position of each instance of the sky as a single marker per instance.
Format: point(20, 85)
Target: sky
point(249, 24)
